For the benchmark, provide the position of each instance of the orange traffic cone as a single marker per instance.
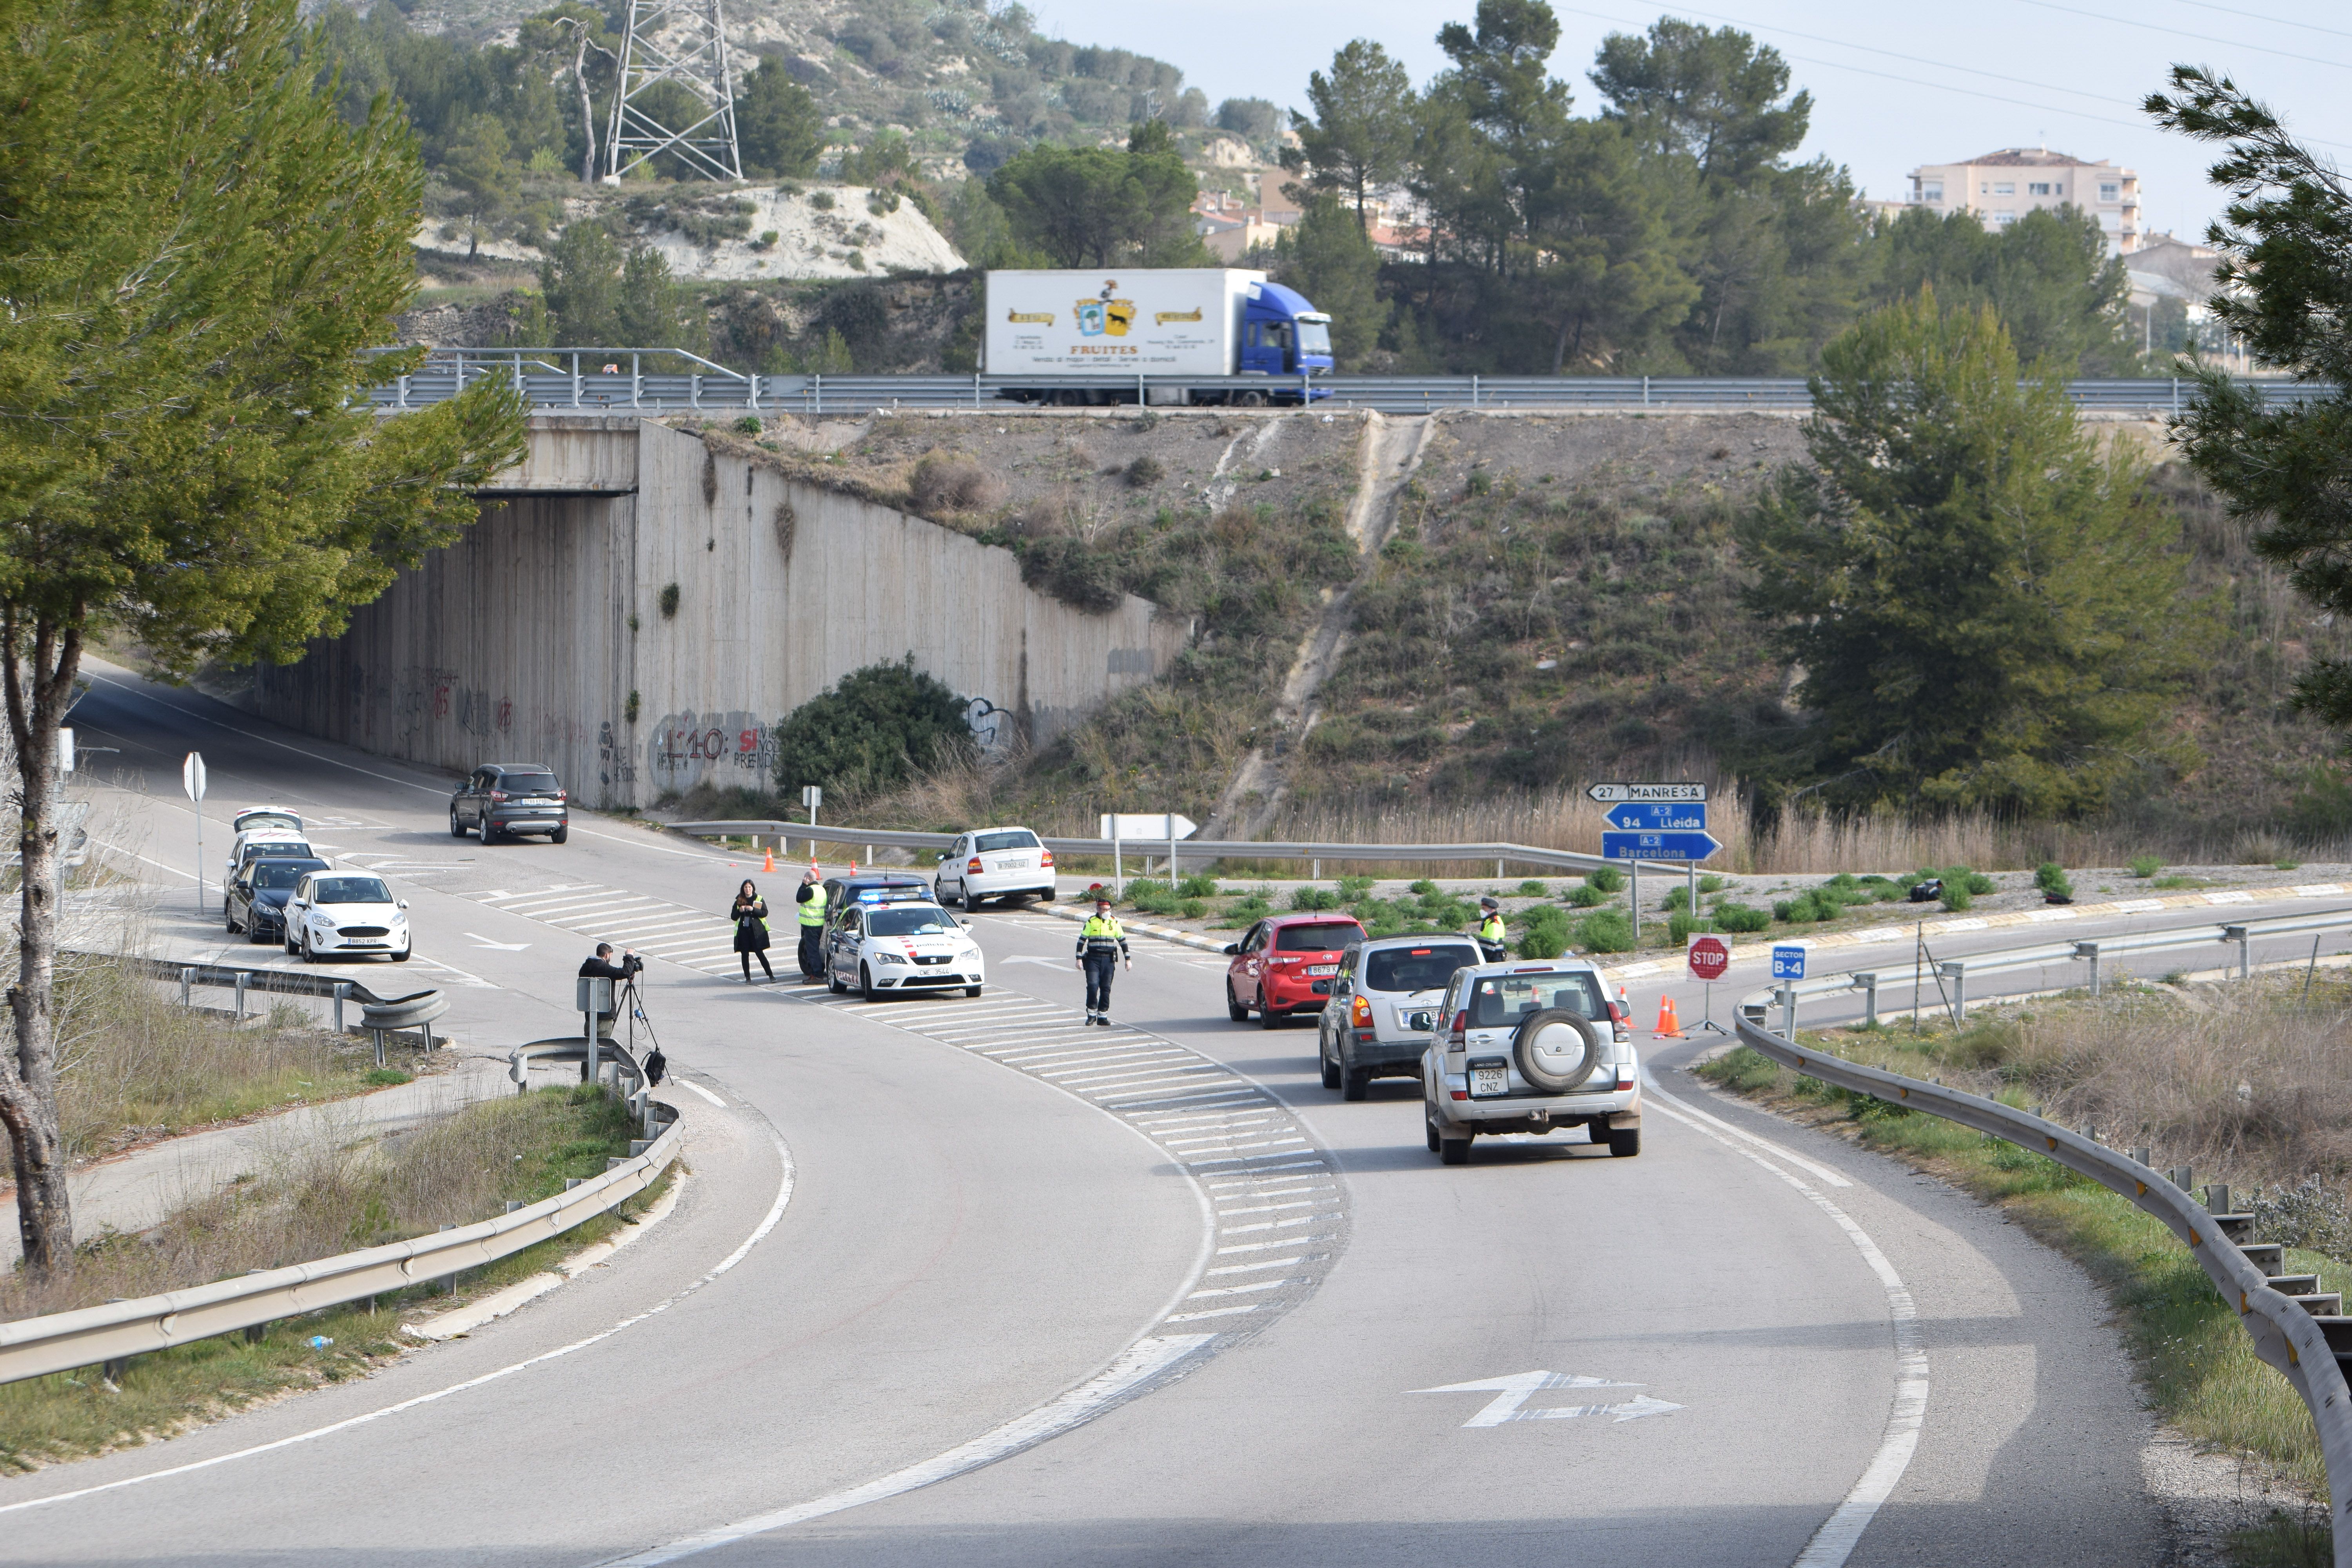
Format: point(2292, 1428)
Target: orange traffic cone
point(1669, 1026)
point(769, 869)
point(853, 868)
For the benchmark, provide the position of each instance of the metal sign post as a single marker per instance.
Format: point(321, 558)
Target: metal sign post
point(811, 796)
point(192, 779)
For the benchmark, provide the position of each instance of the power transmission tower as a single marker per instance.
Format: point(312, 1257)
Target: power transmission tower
point(683, 42)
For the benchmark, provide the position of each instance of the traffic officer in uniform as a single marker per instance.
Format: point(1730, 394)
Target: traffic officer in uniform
point(808, 901)
point(1102, 944)
point(1491, 931)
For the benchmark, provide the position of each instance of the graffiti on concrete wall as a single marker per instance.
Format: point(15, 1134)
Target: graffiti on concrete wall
point(991, 726)
point(736, 748)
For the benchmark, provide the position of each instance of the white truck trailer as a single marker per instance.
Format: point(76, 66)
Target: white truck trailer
point(1073, 336)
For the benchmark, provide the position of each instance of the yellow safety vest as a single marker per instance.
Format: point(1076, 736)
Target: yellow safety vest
point(812, 910)
point(1492, 930)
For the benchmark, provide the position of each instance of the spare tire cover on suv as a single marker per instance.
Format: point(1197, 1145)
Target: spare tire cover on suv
point(1556, 1049)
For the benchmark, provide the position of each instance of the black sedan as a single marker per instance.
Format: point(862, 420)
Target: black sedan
point(256, 899)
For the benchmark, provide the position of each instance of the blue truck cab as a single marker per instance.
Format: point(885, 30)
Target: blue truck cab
point(1284, 334)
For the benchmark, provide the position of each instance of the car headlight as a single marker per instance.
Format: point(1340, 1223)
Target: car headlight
point(326, 921)
point(889, 958)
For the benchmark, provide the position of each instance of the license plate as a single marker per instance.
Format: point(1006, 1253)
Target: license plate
point(1489, 1081)
point(1322, 969)
point(1012, 865)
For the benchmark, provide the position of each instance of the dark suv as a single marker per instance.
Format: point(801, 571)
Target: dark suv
point(505, 800)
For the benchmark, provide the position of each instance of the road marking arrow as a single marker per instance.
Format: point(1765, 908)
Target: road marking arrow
point(1513, 1392)
point(502, 946)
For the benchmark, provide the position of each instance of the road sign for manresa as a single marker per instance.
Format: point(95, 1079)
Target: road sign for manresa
point(1606, 793)
point(192, 775)
point(1658, 846)
point(1658, 816)
point(1707, 955)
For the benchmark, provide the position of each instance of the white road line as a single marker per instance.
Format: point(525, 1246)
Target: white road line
point(1253, 1267)
point(541, 893)
point(768, 1223)
point(1241, 1289)
point(1213, 1312)
point(697, 1088)
point(1842, 1531)
point(1136, 1368)
point(1275, 1224)
point(1178, 1099)
point(1263, 1245)
point(1693, 1114)
point(1273, 1208)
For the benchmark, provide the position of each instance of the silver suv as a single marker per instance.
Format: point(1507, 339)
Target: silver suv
point(1529, 1047)
point(1383, 1008)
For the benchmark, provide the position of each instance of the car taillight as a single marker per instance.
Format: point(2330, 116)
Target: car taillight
point(1047, 861)
point(1360, 1013)
point(562, 794)
point(974, 865)
point(498, 795)
point(1616, 1013)
point(1461, 1027)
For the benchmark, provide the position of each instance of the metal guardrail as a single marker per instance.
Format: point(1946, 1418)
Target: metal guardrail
point(2287, 1335)
point(1200, 851)
point(378, 1014)
point(90, 1336)
point(618, 380)
point(2093, 950)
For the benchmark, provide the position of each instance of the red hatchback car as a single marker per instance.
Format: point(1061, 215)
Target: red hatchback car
point(1284, 965)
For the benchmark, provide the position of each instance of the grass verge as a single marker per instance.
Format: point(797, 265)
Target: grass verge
point(545, 1138)
point(2195, 1358)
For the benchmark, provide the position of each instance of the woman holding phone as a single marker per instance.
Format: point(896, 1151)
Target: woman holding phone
point(751, 917)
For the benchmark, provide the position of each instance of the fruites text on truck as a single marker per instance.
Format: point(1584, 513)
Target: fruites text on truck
point(1079, 337)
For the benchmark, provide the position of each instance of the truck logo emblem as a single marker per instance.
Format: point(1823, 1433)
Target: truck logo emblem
point(1162, 318)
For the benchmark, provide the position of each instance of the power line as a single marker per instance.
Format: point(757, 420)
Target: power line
point(2257, 16)
point(2179, 33)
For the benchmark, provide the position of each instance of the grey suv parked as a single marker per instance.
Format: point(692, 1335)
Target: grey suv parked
point(1383, 1008)
point(505, 800)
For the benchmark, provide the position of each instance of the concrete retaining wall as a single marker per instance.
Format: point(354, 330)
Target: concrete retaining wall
point(516, 643)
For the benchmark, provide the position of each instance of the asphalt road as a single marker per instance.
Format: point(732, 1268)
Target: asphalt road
point(1041, 1294)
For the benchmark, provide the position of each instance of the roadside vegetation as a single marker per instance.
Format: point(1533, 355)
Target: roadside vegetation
point(2242, 1083)
point(326, 1196)
point(134, 1065)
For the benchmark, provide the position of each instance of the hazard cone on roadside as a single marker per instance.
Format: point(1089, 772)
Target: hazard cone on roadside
point(1669, 1027)
point(769, 869)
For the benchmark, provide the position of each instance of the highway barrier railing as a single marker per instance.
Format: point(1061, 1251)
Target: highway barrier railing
point(671, 381)
point(2299, 1333)
point(1951, 975)
point(1198, 852)
point(111, 1334)
point(378, 1014)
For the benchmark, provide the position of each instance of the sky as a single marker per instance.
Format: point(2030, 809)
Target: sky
point(1894, 86)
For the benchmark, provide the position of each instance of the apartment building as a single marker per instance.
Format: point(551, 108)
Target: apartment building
point(2002, 187)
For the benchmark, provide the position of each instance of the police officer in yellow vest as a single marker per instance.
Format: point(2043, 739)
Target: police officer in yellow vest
point(1102, 944)
point(809, 903)
point(1491, 932)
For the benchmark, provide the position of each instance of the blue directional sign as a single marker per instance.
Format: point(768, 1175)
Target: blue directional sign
point(1658, 846)
point(1788, 963)
point(1658, 816)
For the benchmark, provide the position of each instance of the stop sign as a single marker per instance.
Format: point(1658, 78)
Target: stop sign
point(1709, 957)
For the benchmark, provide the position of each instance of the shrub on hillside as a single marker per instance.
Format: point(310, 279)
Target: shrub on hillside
point(941, 482)
point(1741, 917)
point(879, 726)
point(1605, 931)
point(1545, 933)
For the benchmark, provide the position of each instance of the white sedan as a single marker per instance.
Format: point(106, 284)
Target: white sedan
point(345, 914)
point(881, 948)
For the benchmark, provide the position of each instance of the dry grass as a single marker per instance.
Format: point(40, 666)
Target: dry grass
point(133, 1064)
point(331, 1193)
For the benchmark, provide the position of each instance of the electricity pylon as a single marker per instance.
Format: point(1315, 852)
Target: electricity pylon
point(685, 42)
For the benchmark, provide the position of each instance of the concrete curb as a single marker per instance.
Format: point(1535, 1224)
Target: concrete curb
point(1165, 933)
point(459, 1321)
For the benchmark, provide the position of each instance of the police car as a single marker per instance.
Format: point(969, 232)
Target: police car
point(891, 940)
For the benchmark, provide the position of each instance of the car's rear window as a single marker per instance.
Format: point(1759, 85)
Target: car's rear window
point(907, 919)
point(1016, 839)
point(1414, 968)
point(526, 782)
point(278, 849)
point(349, 890)
point(1499, 1001)
point(279, 873)
point(1318, 938)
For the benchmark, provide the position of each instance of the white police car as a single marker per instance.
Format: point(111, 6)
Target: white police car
point(883, 946)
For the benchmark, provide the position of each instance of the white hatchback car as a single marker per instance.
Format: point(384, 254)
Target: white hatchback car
point(345, 914)
point(881, 949)
point(995, 863)
point(1530, 1048)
